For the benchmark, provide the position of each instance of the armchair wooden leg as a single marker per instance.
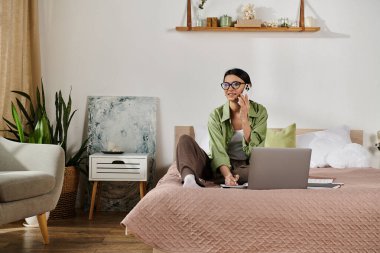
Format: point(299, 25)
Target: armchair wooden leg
point(43, 227)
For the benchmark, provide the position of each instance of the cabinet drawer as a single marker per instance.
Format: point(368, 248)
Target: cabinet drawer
point(118, 169)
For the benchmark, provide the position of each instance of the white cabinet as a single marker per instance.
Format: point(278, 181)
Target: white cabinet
point(118, 167)
point(124, 167)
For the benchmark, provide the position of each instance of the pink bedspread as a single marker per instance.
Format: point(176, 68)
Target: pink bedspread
point(174, 219)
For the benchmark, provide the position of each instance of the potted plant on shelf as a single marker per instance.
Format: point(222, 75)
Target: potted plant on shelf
point(200, 19)
point(37, 129)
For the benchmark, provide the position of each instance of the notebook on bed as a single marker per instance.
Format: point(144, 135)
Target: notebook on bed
point(279, 168)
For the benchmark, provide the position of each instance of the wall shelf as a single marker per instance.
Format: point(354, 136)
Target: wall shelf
point(301, 27)
point(246, 29)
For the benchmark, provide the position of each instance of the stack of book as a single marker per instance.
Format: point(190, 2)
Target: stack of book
point(248, 23)
point(314, 183)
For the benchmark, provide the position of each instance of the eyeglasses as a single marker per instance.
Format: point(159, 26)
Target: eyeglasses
point(235, 85)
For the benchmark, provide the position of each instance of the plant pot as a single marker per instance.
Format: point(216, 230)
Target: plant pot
point(66, 203)
point(225, 21)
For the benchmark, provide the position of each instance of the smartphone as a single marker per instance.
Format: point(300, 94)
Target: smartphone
point(246, 91)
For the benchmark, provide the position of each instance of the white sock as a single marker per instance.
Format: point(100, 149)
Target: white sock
point(189, 182)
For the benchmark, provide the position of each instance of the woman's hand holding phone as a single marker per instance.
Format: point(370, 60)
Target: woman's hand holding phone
point(243, 101)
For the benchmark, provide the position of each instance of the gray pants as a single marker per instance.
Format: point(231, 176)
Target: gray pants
point(191, 159)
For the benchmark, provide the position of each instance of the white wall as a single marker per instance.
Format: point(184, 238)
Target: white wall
point(130, 48)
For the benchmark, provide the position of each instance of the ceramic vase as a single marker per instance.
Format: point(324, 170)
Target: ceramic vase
point(200, 19)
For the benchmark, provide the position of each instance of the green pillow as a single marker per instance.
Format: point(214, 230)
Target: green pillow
point(284, 138)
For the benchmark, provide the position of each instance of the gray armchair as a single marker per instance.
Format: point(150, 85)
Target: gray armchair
point(31, 178)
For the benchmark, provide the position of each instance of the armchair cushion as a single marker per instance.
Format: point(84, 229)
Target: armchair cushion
point(18, 185)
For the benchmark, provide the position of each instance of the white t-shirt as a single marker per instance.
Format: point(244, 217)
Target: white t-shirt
point(235, 147)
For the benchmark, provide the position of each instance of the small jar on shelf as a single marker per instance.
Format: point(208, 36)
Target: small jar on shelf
point(199, 18)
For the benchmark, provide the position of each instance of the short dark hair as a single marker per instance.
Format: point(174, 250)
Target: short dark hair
point(239, 73)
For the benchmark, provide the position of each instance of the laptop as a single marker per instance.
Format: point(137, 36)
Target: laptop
point(279, 168)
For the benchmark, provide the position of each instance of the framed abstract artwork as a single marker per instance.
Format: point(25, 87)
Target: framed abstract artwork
point(122, 123)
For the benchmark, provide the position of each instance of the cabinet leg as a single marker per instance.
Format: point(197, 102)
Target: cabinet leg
point(142, 189)
point(98, 195)
point(94, 187)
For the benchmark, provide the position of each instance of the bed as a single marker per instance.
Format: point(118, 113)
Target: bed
point(173, 219)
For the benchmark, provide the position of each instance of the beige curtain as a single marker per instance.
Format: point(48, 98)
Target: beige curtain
point(20, 67)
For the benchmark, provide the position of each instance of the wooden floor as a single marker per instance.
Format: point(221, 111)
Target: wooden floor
point(103, 234)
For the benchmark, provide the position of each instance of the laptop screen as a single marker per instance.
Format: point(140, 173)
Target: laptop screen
point(279, 168)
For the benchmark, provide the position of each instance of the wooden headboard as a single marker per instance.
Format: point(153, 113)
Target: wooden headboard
point(356, 135)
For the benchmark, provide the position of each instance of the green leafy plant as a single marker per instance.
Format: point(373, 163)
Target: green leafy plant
point(63, 117)
point(18, 123)
point(37, 127)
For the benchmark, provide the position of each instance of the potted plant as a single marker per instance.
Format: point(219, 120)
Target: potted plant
point(37, 129)
point(200, 20)
point(63, 116)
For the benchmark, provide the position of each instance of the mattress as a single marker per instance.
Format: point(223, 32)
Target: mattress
point(175, 219)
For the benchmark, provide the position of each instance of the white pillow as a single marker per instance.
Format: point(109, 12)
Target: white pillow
point(304, 140)
point(325, 142)
point(351, 155)
point(321, 147)
point(202, 137)
point(341, 134)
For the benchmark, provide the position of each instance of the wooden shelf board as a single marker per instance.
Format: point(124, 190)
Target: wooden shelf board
point(247, 29)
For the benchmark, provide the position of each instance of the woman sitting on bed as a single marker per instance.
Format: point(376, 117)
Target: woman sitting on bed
point(234, 129)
